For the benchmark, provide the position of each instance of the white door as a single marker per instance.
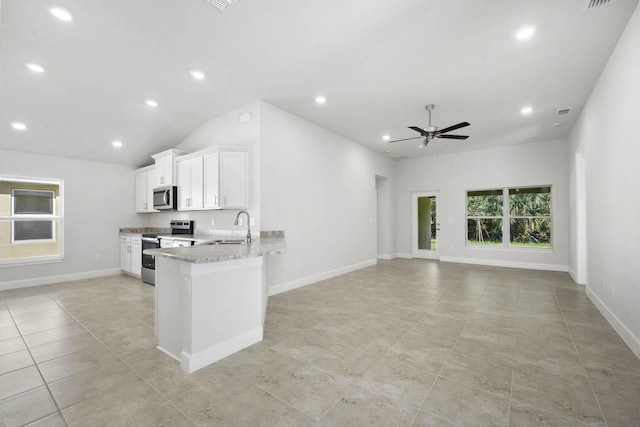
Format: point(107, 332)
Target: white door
point(425, 225)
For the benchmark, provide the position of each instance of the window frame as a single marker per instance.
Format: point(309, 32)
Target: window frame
point(57, 219)
point(476, 217)
point(506, 221)
point(549, 217)
point(17, 217)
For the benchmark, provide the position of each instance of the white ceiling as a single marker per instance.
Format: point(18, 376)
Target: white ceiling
point(377, 62)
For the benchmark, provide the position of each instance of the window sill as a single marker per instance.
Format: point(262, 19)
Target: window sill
point(500, 248)
point(30, 261)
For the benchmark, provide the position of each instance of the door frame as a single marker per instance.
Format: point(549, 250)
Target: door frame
point(423, 253)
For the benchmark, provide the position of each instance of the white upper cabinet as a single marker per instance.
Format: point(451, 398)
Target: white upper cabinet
point(145, 181)
point(190, 183)
point(234, 179)
point(226, 179)
point(166, 167)
point(212, 181)
point(216, 178)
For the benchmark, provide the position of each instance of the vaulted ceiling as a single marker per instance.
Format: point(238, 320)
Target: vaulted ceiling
point(378, 63)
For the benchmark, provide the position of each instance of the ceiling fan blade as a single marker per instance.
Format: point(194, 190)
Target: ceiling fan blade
point(406, 139)
point(454, 127)
point(453, 136)
point(419, 130)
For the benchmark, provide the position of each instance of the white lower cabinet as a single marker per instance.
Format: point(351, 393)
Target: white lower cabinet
point(131, 254)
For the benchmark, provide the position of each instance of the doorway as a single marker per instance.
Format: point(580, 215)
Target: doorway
point(425, 225)
point(581, 216)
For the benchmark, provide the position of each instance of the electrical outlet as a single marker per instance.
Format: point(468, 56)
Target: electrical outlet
point(240, 221)
point(252, 222)
point(213, 221)
point(98, 257)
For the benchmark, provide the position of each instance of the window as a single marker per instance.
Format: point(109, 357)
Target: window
point(526, 210)
point(484, 217)
point(530, 217)
point(28, 204)
point(30, 220)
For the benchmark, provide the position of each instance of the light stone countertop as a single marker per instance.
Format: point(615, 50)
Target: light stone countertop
point(203, 254)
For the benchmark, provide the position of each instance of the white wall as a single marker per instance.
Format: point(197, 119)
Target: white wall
point(543, 163)
point(609, 128)
point(98, 200)
point(321, 189)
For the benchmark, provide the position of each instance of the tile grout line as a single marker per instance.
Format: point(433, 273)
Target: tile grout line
point(119, 359)
point(35, 364)
point(575, 348)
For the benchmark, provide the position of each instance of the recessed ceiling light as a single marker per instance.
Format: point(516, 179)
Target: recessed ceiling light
point(555, 125)
point(197, 74)
point(61, 13)
point(320, 99)
point(35, 68)
point(19, 126)
point(151, 103)
point(525, 33)
point(386, 137)
point(117, 144)
point(526, 110)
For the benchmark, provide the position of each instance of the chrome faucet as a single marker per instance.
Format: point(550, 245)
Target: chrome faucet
point(248, 224)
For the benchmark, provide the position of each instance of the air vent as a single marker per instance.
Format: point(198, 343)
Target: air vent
point(563, 111)
point(402, 157)
point(220, 4)
point(594, 4)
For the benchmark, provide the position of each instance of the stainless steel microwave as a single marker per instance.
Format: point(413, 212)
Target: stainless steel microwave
point(165, 198)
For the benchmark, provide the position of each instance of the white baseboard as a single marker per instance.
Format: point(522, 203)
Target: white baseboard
point(508, 264)
point(404, 255)
point(304, 281)
point(574, 276)
point(625, 333)
point(193, 362)
point(385, 256)
point(47, 280)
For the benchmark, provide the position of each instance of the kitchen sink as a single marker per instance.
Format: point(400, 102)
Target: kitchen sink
point(229, 242)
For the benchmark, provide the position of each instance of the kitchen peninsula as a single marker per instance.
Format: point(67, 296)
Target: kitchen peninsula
point(210, 299)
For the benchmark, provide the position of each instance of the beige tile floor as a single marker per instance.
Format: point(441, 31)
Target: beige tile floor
point(402, 343)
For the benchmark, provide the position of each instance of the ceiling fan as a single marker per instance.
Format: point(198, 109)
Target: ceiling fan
point(434, 132)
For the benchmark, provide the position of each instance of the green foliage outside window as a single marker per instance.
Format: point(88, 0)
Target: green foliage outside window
point(528, 217)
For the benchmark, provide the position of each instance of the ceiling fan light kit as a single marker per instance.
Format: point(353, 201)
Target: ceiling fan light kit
point(432, 132)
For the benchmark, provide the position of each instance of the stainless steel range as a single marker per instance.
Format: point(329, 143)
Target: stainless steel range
point(153, 241)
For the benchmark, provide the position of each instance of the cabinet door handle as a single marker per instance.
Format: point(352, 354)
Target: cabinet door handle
point(216, 200)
